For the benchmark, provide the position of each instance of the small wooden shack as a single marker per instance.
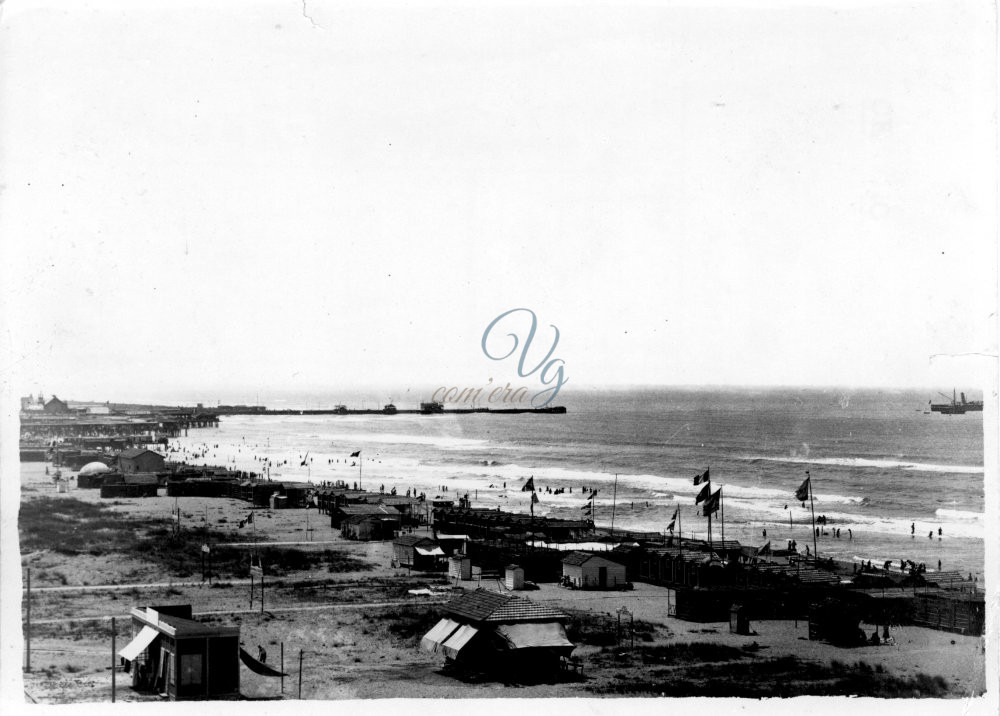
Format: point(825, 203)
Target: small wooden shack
point(487, 631)
point(173, 654)
point(418, 552)
point(132, 485)
point(739, 622)
point(140, 460)
point(513, 577)
point(585, 570)
point(459, 567)
point(380, 524)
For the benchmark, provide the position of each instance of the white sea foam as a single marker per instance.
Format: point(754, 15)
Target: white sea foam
point(881, 464)
point(959, 514)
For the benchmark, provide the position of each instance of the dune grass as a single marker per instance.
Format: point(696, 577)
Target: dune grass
point(74, 527)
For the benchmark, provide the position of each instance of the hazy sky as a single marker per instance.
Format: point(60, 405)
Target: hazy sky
point(234, 197)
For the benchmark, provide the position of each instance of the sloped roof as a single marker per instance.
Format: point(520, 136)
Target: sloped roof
point(578, 558)
point(136, 452)
point(485, 606)
point(364, 509)
point(413, 540)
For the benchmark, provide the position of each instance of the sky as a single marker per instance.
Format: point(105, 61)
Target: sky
point(237, 197)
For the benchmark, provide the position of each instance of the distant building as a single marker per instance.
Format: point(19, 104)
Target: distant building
point(55, 406)
point(592, 571)
point(140, 460)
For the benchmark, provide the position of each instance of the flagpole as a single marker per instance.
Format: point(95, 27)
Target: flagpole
point(710, 547)
point(812, 508)
point(614, 498)
point(680, 530)
point(722, 516)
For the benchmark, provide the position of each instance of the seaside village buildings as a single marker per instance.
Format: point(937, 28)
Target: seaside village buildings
point(488, 561)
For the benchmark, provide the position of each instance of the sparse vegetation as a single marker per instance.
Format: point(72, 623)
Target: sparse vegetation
point(74, 527)
point(684, 672)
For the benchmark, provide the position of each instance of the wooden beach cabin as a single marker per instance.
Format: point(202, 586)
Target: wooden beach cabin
point(486, 631)
point(585, 570)
point(418, 552)
point(172, 654)
point(140, 460)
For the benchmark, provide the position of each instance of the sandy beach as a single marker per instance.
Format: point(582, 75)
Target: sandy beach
point(352, 616)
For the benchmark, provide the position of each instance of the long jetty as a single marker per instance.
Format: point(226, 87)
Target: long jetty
point(254, 410)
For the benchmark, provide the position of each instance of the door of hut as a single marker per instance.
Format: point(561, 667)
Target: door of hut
point(602, 577)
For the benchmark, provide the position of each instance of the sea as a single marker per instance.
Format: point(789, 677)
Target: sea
point(897, 481)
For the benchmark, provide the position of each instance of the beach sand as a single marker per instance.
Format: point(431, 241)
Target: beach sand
point(359, 629)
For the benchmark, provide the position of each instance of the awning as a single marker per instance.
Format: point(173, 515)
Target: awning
point(138, 645)
point(528, 636)
point(258, 667)
point(457, 641)
point(434, 551)
point(433, 639)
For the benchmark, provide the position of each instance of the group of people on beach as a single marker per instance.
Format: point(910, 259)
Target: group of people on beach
point(930, 535)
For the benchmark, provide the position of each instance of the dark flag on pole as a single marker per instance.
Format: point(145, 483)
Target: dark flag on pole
point(356, 454)
point(701, 477)
point(305, 460)
point(676, 510)
point(670, 527)
point(593, 494)
point(589, 506)
point(712, 503)
point(705, 493)
point(534, 498)
point(802, 494)
point(529, 486)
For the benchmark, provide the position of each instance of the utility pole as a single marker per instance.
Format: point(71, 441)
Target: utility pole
point(282, 668)
point(300, 673)
point(27, 631)
point(812, 507)
point(114, 634)
point(614, 499)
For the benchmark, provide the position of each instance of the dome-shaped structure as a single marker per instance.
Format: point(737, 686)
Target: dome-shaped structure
point(94, 468)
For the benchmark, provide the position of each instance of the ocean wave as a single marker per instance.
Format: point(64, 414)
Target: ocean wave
point(959, 514)
point(882, 464)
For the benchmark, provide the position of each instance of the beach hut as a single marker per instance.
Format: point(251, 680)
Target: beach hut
point(585, 570)
point(171, 653)
point(370, 526)
point(513, 577)
point(490, 632)
point(739, 622)
point(459, 567)
point(140, 460)
point(417, 552)
point(130, 486)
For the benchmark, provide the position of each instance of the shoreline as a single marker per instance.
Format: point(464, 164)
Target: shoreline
point(356, 641)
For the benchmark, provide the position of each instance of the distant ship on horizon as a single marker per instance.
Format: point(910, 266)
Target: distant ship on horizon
point(956, 406)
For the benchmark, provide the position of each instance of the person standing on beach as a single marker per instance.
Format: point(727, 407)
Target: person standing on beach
point(913, 529)
point(850, 535)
